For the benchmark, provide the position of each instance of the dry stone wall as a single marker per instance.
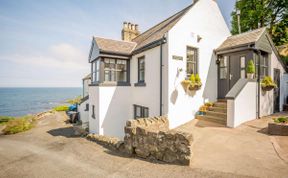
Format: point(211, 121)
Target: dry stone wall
point(151, 138)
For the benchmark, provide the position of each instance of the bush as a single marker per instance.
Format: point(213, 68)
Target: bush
point(61, 108)
point(281, 120)
point(5, 119)
point(17, 125)
point(251, 67)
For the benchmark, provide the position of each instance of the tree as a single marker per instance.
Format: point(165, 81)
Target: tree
point(261, 13)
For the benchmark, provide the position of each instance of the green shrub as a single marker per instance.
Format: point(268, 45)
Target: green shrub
point(17, 125)
point(251, 67)
point(61, 108)
point(281, 120)
point(5, 119)
point(268, 82)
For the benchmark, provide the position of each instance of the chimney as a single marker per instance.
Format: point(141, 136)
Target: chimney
point(130, 31)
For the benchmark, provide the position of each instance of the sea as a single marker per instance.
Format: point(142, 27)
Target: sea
point(22, 101)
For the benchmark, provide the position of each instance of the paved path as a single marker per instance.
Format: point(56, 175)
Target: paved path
point(246, 150)
point(49, 150)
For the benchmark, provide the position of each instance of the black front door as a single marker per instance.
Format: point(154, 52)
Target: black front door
point(277, 90)
point(229, 72)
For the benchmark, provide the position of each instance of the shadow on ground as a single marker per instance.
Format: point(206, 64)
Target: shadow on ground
point(67, 132)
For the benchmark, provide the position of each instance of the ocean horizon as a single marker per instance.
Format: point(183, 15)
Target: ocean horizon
point(20, 101)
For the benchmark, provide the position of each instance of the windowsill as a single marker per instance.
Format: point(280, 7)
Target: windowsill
point(140, 84)
point(110, 84)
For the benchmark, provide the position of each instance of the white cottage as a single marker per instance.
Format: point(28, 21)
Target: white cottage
point(141, 75)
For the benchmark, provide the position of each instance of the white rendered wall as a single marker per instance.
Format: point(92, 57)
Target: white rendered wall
point(149, 95)
point(84, 115)
point(267, 98)
point(244, 107)
point(94, 123)
point(112, 109)
point(206, 21)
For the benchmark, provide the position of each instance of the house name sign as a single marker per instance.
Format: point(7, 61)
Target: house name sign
point(179, 58)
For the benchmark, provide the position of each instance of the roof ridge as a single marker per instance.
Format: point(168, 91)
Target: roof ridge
point(115, 40)
point(176, 14)
point(232, 36)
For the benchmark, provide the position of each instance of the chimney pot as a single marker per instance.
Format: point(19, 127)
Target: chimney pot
point(132, 27)
point(136, 27)
point(129, 25)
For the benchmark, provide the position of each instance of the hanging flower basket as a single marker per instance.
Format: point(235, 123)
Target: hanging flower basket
point(194, 87)
point(267, 84)
point(189, 86)
point(268, 88)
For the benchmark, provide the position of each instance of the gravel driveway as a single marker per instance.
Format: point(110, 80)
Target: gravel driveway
point(50, 150)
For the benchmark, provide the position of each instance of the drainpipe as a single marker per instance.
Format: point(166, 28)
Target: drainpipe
point(161, 71)
point(258, 79)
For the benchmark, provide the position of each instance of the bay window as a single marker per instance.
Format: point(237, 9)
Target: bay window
point(110, 70)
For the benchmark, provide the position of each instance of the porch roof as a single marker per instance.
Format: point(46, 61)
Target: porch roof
point(242, 39)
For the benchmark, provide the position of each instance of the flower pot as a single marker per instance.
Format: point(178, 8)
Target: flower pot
point(250, 76)
point(268, 88)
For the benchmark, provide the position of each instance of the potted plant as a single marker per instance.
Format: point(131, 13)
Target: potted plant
point(250, 69)
point(268, 84)
point(194, 83)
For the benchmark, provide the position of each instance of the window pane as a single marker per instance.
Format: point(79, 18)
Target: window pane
point(138, 111)
point(97, 70)
point(106, 76)
point(242, 73)
point(113, 75)
point(223, 73)
point(141, 69)
point(242, 62)
point(191, 66)
point(223, 61)
point(145, 112)
point(121, 70)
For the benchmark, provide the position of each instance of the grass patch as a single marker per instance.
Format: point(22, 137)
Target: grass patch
point(76, 100)
point(5, 119)
point(17, 125)
point(281, 120)
point(61, 108)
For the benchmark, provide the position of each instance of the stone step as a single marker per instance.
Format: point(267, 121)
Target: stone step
point(212, 119)
point(220, 104)
point(217, 114)
point(218, 109)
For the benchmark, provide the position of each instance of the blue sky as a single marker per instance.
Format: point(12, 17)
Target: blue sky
point(46, 43)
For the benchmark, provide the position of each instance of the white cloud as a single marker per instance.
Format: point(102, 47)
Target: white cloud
point(61, 55)
point(59, 65)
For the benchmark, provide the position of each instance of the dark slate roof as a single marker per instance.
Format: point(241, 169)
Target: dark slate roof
point(148, 37)
point(242, 39)
point(115, 46)
point(157, 32)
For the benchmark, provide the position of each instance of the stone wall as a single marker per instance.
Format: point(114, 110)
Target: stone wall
point(151, 138)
